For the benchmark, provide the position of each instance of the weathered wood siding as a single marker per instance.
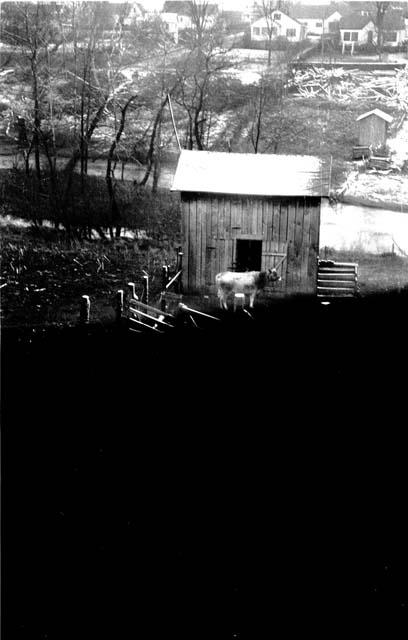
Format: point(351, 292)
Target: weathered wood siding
point(372, 130)
point(212, 224)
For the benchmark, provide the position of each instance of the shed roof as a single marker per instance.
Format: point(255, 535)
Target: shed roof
point(250, 174)
point(375, 112)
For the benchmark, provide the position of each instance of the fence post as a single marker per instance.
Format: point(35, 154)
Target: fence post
point(119, 305)
point(85, 310)
point(165, 279)
point(180, 268)
point(163, 302)
point(165, 276)
point(132, 290)
point(145, 293)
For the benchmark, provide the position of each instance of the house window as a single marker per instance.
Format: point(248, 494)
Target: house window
point(354, 36)
point(276, 16)
point(257, 31)
point(319, 24)
point(390, 36)
point(346, 36)
point(291, 33)
point(333, 26)
point(249, 255)
point(264, 31)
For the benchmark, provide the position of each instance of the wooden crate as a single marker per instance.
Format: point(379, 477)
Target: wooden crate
point(360, 153)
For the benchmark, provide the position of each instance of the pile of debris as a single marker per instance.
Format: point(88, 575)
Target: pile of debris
point(346, 85)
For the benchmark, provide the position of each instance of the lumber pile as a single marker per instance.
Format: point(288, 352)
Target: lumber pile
point(379, 162)
point(346, 85)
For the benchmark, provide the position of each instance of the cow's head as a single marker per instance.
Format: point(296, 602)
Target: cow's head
point(273, 276)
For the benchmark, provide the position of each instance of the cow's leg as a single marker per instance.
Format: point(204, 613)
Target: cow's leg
point(220, 297)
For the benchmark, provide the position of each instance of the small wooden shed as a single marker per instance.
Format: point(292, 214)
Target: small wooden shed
point(373, 128)
point(250, 212)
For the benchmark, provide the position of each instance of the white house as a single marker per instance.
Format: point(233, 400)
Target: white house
point(170, 22)
point(318, 19)
point(135, 14)
point(183, 10)
point(361, 29)
point(282, 26)
point(356, 29)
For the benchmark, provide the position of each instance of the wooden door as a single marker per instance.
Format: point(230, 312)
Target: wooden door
point(274, 256)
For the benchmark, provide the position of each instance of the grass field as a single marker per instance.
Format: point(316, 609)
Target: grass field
point(43, 276)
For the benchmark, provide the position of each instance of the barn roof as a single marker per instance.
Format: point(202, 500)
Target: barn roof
point(375, 112)
point(250, 174)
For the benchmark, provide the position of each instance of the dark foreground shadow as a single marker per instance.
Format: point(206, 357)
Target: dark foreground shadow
point(217, 483)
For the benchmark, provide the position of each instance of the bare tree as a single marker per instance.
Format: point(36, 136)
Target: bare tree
point(267, 10)
point(377, 12)
point(264, 97)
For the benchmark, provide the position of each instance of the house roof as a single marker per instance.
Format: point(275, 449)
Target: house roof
point(313, 11)
point(250, 174)
point(183, 7)
point(394, 20)
point(354, 21)
point(262, 21)
point(375, 112)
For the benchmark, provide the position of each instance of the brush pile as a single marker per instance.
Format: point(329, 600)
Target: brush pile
point(347, 85)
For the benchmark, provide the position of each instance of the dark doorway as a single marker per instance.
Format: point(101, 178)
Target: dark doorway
point(249, 255)
point(370, 37)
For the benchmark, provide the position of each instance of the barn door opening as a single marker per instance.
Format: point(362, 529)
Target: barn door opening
point(248, 255)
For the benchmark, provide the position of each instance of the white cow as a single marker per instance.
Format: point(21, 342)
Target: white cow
point(247, 282)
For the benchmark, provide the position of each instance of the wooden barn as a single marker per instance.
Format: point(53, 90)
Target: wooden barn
point(373, 128)
point(250, 212)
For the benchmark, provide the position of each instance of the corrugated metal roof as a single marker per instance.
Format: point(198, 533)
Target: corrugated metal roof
point(250, 174)
point(375, 112)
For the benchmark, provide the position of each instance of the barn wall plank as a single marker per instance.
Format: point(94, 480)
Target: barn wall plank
point(209, 243)
point(258, 214)
point(185, 231)
point(276, 213)
point(314, 232)
point(298, 244)
point(203, 221)
point(305, 284)
point(199, 230)
point(291, 212)
point(193, 243)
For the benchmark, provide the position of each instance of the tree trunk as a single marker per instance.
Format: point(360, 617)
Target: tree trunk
point(115, 213)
